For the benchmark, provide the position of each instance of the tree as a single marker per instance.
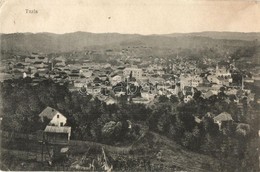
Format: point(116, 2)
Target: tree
point(187, 139)
point(34, 103)
point(196, 133)
point(111, 131)
point(163, 123)
point(209, 126)
point(163, 99)
point(180, 95)
point(243, 129)
point(97, 80)
point(185, 114)
point(245, 106)
point(222, 89)
point(13, 123)
point(29, 70)
point(197, 95)
point(174, 99)
point(96, 129)
point(36, 75)
point(221, 95)
point(209, 146)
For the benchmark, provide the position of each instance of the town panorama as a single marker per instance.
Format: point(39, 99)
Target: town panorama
point(127, 102)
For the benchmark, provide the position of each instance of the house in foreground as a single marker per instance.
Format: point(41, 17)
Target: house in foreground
point(55, 131)
point(55, 117)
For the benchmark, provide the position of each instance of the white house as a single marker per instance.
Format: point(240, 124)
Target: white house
point(74, 77)
point(60, 64)
point(147, 95)
point(39, 64)
point(140, 100)
point(213, 79)
point(223, 117)
point(58, 120)
point(79, 84)
point(190, 80)
point(116, 79)
point(86, 73)
point(110, 101)
point(196, 80)
point(136, 73)
point(222, 72)
point(24, 75)
point(55, 117)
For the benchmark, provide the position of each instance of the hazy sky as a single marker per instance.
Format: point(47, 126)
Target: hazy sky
point(125, 16)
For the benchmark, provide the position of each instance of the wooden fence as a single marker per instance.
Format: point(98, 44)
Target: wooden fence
point(76, 145)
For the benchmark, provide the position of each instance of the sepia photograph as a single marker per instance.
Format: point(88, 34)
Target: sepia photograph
point(123, 85)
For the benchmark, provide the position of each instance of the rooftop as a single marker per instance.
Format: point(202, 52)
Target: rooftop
point(224, 116)
point(48, 112)
point(56, 129)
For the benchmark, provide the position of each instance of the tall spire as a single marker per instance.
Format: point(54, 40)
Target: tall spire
point(242, 82)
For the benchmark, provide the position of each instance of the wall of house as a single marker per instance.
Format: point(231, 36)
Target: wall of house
point(56, 137)
point(58, 120)
point(223, 72)
point(136, 73)
point(35, 58)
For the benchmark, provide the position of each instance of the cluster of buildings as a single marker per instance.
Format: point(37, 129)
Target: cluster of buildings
point(22, 66)
point(156, 77)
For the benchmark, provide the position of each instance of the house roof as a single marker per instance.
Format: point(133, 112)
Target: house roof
point(208, 94)
point(56, 129)
point(154, 80)
point(41, 57)
point(38, 62)
point(224, 116)
point(251, 95)
point(31, 57)
point(139, 99)
point(74, 75)
point(110, 101)
point(48, 112)
point(223, 79)
point(197, 120)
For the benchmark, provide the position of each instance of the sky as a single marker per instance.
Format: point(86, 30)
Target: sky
point(125, 16)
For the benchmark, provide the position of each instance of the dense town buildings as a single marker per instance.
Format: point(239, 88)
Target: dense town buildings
point(165, 78)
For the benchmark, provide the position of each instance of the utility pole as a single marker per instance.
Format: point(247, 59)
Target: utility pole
point(42, 152)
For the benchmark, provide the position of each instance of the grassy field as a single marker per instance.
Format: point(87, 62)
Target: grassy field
point(140, 156)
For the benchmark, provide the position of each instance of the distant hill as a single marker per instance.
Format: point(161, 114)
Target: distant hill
point(223, 35)
point(77, 41)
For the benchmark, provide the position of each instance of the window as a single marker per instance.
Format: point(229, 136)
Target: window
point(58, 116)
point(61, 124)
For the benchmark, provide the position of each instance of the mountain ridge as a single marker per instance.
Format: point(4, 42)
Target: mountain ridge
point(79, 41)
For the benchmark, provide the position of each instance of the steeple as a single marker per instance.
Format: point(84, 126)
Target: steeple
point(242, 87)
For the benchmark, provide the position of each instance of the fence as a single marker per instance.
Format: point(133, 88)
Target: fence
point(16, 135)
point(76, 145)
